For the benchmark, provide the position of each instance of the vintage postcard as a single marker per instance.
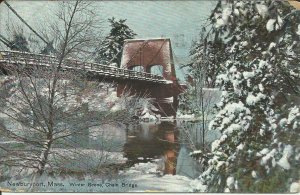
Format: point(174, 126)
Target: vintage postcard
point(150, 96)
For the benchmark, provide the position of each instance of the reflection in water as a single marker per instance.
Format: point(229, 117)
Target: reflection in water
point(167, 143)
point(153, 141)
point(170, 154)
point(160, 141)
point(186, 165)
point(194, 136)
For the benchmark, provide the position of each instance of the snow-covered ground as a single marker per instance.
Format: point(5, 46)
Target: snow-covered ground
point(143, 177)
point(149, 179)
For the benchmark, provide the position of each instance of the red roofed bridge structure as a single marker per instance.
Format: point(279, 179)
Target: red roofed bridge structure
point(136, 76)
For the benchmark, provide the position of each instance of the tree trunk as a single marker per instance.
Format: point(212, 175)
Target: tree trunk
point(44, 157)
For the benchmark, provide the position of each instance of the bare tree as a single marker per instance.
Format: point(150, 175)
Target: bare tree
point(50, 106)
point(199, 99)
point(196, 131)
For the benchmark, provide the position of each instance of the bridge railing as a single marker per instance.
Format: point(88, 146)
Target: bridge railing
point(26, 56)
point(47, 60)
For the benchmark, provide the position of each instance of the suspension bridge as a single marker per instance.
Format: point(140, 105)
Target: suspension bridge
point(163, 89)
point(15, 60)
point(142, 55)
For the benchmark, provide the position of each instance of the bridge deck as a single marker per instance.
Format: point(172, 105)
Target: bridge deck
point(47, 61)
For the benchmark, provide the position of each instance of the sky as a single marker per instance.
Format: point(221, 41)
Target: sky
point(180, 21)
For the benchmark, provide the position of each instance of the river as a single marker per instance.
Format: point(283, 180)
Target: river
point(168, 143)
point(145, 154)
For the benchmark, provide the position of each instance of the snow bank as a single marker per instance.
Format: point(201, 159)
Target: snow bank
point(148, 179)
point(196, 184)
point(72, 158)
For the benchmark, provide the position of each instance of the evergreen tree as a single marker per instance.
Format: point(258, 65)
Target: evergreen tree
point(259, 114)
point(110, 51)
point(19, 42)
point(207, 58)
point(48, 49)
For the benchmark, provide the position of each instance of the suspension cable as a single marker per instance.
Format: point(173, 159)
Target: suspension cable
point(14, 11)
point(5, 41)
point(8, 43)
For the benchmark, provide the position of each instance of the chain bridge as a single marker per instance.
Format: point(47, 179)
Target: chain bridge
point(162, 89)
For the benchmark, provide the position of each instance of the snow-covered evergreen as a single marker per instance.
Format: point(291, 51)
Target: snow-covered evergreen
point(19, 42)
point(110, 50)
point(258, 114)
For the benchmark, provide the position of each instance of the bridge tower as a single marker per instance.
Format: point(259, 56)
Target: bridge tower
point(144, 56)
